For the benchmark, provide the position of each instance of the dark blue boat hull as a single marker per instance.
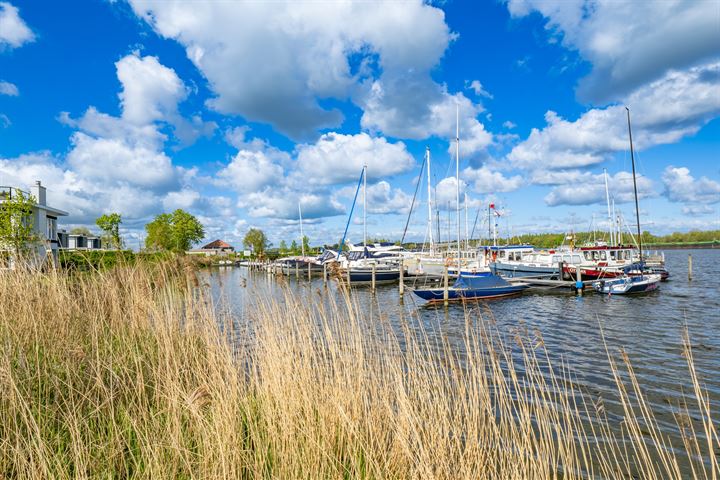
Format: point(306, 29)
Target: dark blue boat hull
point(436, 294)
point(365, 276)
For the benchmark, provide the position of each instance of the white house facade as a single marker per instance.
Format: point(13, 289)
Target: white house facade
point(44, 221)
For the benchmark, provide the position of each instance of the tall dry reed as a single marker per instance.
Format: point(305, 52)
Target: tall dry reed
point(133, 372)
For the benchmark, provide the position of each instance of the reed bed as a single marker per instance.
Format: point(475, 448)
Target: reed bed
point(134, 372)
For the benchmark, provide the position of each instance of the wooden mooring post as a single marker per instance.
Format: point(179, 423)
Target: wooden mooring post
point(402, 278)
point(297, 270)
point(373, 277)
point(689, 267)
point(348, 276)
point(578, 280)
point(446, 295)
point(325, 273)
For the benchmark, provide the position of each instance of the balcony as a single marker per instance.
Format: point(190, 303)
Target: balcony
point(8, 193)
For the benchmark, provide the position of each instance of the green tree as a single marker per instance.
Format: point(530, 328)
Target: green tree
point(306, 244)
point(283, 247)
point(294, 248)
point(186, 231)
point(256, 239)
point(17, 232)
point(110, 225)
point(177, 232)
point(80, 231)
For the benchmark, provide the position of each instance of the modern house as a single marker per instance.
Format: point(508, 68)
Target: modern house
point(79, 241)
point(44, 221)
point(217, 247)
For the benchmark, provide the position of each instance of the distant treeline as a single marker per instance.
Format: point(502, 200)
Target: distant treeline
point(547, 240)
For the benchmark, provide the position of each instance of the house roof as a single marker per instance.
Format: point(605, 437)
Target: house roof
point(217, 244)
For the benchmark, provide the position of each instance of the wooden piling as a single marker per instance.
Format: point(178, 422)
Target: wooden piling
point(348, 276)
point(373, 277)
point(402, 278)
point(446, 295)
point(325, 273)
point(297, 269)
point(689, 267)
point(578, 282)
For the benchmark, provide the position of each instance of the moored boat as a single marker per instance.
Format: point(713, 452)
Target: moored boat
point(471, 288)
point(628, 284)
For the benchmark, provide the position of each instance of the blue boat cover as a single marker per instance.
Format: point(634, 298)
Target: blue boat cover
point(475, 282)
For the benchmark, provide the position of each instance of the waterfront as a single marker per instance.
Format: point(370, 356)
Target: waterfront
point(649, 328)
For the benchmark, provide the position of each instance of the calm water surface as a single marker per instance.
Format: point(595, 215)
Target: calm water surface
point(648, 327)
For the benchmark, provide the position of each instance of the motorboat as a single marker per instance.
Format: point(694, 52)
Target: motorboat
point(628, 284)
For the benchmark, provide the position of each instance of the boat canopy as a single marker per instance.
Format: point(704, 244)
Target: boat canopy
point(472, 282)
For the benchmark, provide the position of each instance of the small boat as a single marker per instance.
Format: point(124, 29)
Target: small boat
point(473, 287)
point(628, 284)
point(634, 278)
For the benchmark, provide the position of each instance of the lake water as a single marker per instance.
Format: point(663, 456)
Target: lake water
point(648, 327)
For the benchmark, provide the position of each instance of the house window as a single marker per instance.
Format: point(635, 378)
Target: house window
point(51, 228)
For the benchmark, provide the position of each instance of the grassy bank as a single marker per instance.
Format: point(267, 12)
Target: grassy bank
point(132, 372)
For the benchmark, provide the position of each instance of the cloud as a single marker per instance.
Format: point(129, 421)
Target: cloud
point(590, 189)
point(10, 89)
point(664, 111)
point(421, 109)
point(382, 199)
point(337, 158)
point(272, 62)
point(479, 90)
point(13, 30)
point(509, 125)
point(486, 180)
point(629, 43)
point(118, 163)
point(698, 210)
point(680, 186)
point(282, 203)
point(250, 171)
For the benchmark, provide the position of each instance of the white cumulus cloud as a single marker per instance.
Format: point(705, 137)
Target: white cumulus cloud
point(664, 111)
point(272, 61)
point(337, 158)
point(10, 89)
point(14, 32)
point(629, 43)
point(590, 189)
point(681, 186)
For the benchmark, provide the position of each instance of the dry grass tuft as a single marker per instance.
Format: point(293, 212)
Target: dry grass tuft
point(132, 372)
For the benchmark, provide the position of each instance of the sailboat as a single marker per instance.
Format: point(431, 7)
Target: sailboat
point(360, 263)
point(627, 283)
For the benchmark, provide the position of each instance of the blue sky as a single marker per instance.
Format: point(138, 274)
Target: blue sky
point(238, 111)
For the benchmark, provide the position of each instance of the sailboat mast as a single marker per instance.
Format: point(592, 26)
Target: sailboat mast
point(457, 176)
point(467, 232)
point(429, 193)
point(610, 218)
point(637, 205)
point(302, 236)
point(364, 206)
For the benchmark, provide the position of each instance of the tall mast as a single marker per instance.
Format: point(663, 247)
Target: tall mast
point(637, 205)
point(302, 236)
point(489, 225)
point(610, 218)
point(457, 176)
point(615, 227)
point(429, 190)
point(467, 232)
point(364, 206)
